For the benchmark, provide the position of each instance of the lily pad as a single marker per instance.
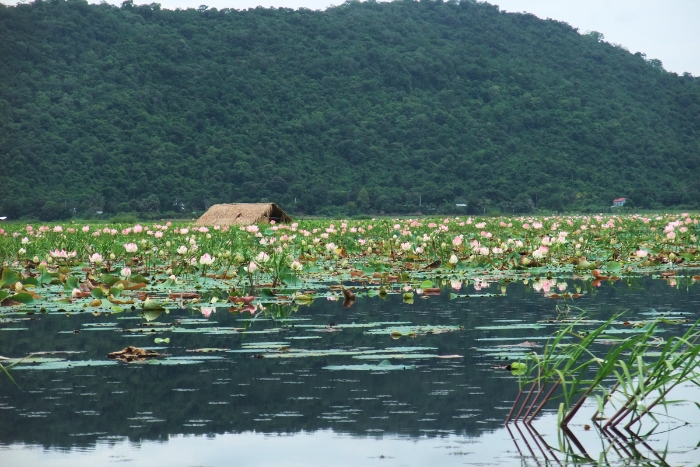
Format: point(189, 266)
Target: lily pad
point(385, 365)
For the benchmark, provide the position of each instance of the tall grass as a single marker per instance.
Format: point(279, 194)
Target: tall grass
point(629, 372)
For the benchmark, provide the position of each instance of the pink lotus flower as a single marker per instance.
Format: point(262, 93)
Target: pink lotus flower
point(540, 252)
point(96, 258)
point(58, 228)
point(63, 254)
point(262, 257)
point(86, 228)
point(207, 311)
point(131, 247)
point(206, 259)
point(125, 273)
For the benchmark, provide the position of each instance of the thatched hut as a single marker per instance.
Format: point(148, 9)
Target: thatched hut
point(243, 214)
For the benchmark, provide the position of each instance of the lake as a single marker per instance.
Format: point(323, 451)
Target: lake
point(382, 382)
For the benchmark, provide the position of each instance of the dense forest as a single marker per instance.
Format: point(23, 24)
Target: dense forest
point(398, 107)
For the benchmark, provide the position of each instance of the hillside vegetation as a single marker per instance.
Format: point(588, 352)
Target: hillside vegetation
point(365, 107)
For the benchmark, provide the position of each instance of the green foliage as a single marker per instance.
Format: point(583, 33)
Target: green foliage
point(405, 106)
point(124, 218)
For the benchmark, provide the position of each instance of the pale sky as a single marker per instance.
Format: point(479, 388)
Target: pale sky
point(668, 30)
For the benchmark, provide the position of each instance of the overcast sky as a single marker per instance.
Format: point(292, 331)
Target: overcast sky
point(668, 30)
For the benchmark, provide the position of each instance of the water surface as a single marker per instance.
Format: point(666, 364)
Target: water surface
point(245, 395)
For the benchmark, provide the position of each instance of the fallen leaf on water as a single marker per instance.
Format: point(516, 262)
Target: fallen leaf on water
point(132, 354)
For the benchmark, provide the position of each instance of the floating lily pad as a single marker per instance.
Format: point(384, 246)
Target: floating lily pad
point(415, 330)
point(65, 364)
point(383, 366)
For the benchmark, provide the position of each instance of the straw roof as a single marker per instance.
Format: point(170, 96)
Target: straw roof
point(243, 214)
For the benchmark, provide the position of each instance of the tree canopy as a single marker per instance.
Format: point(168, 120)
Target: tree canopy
point(365, 107)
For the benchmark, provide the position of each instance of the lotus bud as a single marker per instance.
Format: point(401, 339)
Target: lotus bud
point(18, 286)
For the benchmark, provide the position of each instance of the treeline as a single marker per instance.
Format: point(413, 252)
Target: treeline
point(363, 108)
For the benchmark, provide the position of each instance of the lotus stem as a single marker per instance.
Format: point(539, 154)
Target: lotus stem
point(534, 401)
point(512, 409)
point(532, 388)
point(546, 399)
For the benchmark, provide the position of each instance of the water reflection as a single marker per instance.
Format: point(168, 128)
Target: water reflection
point(228, 398)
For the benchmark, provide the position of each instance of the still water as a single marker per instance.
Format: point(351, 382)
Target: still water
point(325, 385)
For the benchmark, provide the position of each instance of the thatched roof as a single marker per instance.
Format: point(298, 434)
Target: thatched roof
point(243, 214)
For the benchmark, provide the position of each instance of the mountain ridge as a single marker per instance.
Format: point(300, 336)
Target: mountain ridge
point(423, 104)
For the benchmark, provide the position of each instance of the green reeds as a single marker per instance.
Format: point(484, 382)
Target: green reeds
point(7, 373)
point(578, 373)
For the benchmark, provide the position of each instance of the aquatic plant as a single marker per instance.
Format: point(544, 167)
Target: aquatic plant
point(642, 366)
point(285, 257)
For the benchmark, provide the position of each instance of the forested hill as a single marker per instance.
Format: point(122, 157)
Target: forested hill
point(364, 107)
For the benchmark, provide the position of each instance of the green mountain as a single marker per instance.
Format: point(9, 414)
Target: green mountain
point(364, 107)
